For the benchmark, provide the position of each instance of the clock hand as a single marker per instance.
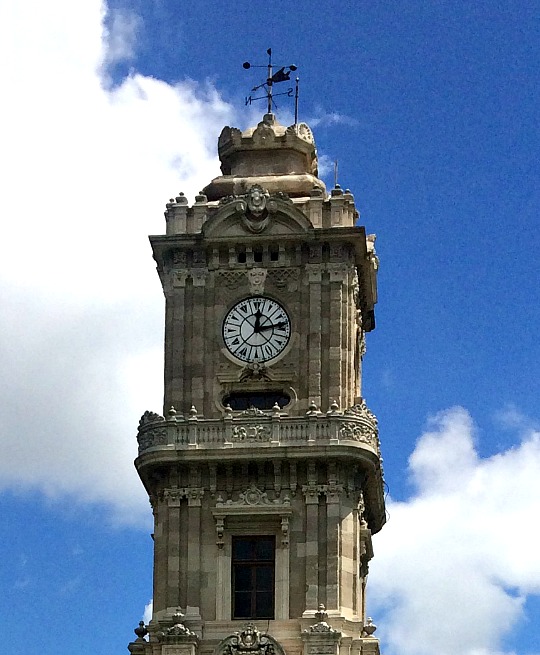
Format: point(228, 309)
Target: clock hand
point(269, 327)
point(257, 326)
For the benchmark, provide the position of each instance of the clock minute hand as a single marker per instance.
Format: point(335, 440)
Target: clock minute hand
point(270, 327)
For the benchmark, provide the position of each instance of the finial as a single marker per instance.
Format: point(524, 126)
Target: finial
point(141, 631)
point(193, 412)
point(334, 407)
point(321, 614)
point(172, 413)
point(283, 74)
point(178, 616)
point(369, 627)
point(312, 408)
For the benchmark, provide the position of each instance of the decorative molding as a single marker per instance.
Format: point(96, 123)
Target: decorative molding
point(179, 277)
point(173, 495)
point(232, 279)
point(338, 272)
point(199, 277)
point(358, 432)
point(285, 277)
point(252, 504)
point(253, 496)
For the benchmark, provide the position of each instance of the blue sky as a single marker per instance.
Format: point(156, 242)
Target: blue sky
point(431, 109)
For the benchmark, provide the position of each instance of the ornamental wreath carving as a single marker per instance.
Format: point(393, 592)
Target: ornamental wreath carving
point(250, 433)
point(250, 640)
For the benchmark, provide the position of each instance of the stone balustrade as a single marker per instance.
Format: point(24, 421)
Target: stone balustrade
point(354, 426)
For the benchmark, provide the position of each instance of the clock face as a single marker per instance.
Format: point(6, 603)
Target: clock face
point(256, 329)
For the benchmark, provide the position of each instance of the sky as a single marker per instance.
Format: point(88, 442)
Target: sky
point(432, 111)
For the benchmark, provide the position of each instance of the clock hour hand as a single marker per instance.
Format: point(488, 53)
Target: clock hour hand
point(257, 326)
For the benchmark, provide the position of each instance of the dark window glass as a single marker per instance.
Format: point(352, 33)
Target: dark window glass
point(240, 400)
point(253, 572)
point(241, 257)
point(274, 255)
point(257, 256)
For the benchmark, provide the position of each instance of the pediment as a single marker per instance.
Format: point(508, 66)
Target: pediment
point(256, 213)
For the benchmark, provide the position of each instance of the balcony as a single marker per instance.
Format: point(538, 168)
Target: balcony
point(356, 426)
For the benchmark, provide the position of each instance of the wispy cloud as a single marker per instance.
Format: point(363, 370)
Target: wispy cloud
point(322, 118)
point(120, 35)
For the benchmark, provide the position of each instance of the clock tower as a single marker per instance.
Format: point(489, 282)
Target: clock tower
point(264, 470)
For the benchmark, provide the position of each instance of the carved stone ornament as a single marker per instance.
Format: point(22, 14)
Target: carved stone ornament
point(361, 409)
point(178, 632)
point(358, 432)
point(250, 433)
point(285, 277)
point(254, 371)
point(231, 279)
point(252, 411)
point(250, 640)
point(256, 213)
point(321, 626)
point(150, 417)
point(254, 496)
point(151, 431)
point(256, 279)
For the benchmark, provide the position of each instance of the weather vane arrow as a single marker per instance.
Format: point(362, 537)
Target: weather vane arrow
point(283, 74)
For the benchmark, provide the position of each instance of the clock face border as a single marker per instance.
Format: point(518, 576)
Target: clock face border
point(252, 338)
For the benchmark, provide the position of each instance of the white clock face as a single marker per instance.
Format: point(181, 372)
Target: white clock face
point(256, 329)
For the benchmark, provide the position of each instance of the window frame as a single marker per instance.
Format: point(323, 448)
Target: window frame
point(253, 564)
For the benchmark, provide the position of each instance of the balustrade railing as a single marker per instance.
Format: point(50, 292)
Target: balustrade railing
point(356, 425)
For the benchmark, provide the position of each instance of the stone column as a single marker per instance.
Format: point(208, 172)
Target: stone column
point(175, 325)
point(311, 499)
point(336, 390)
point(198, 337)
point(333, 520)
point(194, 495)
point(314, 332)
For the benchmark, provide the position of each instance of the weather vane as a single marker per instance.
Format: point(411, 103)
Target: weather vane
point(283, 74)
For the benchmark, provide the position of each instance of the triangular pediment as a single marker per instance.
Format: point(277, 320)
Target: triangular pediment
point(256, 213)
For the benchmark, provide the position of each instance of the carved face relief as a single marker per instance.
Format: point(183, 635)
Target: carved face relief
point(256, 216)
point(257, 278)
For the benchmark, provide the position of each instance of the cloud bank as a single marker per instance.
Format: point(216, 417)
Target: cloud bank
point(88, 170)
point(455, 564)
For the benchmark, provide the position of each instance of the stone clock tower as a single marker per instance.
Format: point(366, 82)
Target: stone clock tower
point(264, 471)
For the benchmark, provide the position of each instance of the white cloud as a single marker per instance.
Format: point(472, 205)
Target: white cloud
point(455, 563)
point(148, 609)
point(88, 173)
